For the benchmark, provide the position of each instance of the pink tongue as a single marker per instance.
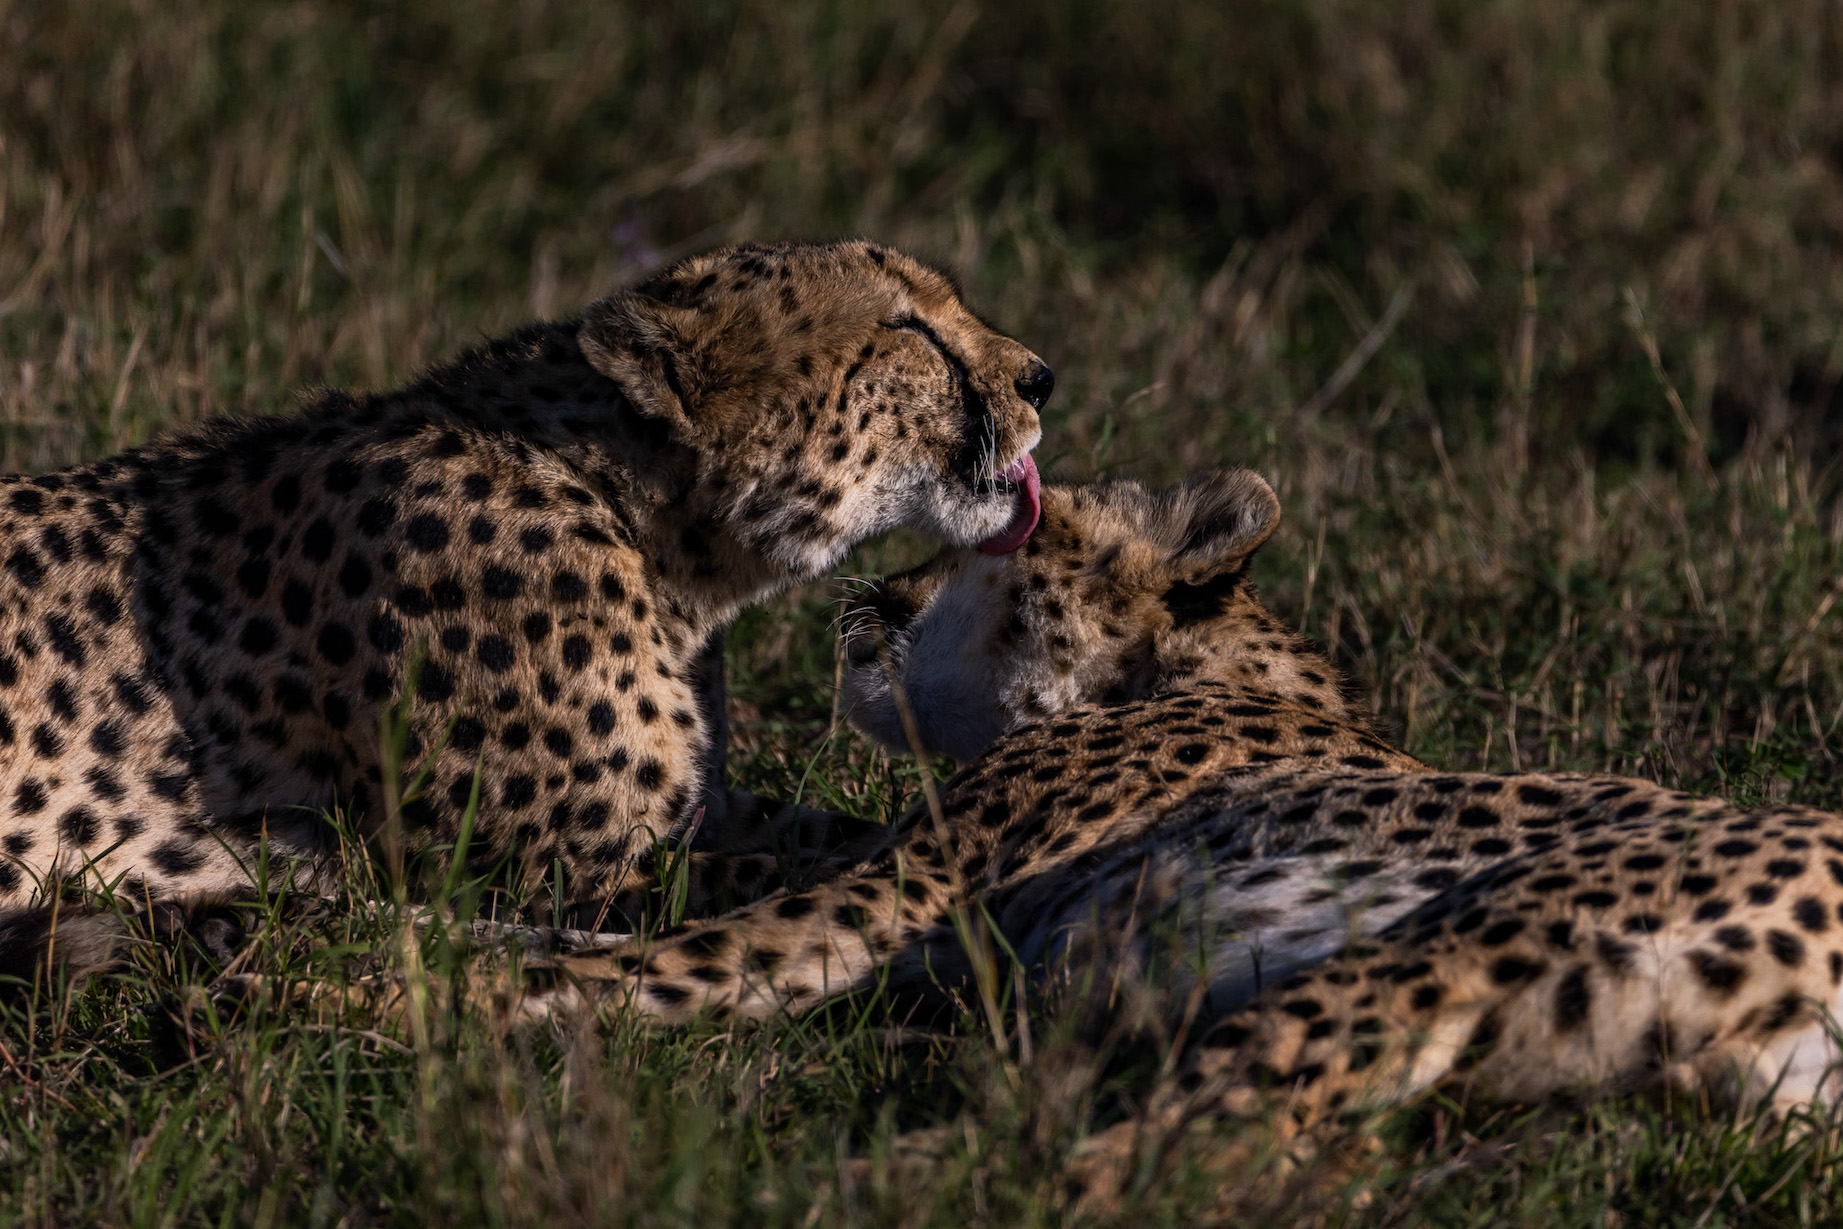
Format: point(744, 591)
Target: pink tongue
point(1022, 474)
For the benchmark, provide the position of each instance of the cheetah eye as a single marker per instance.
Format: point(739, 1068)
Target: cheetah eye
point(911, 323)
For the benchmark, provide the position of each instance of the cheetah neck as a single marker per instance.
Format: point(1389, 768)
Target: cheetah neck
point(534, 398)
point(1248, 650)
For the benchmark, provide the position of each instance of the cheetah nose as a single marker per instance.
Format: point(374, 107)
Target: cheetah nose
point(1036, 384)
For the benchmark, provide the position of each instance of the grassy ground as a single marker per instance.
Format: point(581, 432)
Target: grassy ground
point(1529, 308)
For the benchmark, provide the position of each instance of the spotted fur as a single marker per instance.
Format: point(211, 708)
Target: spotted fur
point(196, 637)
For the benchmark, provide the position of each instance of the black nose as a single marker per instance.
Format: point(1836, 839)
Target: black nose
point(1036, 384)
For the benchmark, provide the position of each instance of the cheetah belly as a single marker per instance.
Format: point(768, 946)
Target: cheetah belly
point(1235, 930)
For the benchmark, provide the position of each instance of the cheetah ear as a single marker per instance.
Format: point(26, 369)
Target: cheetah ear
point(1214, 521)
point(644, 345)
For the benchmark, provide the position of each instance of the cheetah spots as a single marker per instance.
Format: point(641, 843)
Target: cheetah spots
point(342, 476)
point(445, 593)
point(1514, 970)
point(30, 797)
point(1787, 948)
point(259, 636)
point(336, 643)
point(26, 568)
point(177, 857)
point(253, 578)
point(107, 740)
point(426, 533)
point(46, 742)
point(355, 576)
point(107, 785)
point(1735, 938)
point(501, 583)
point(1712, 910)
point(1723, 977)
point(434, 684)
point(61, 635)
point(79, 826)
point(385, 634)
point(576, 652)
point(317, 541)
point(131, 693)
point(375, 517)
point(414, 602)
point(518, 792)
point(1616, 954)
point(495, 652)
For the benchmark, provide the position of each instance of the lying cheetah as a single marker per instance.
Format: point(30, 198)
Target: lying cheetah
point(196, 637)
point(1368, 926)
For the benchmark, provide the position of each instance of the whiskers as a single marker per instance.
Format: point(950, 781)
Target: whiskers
point(854, 622)
point(986, 479)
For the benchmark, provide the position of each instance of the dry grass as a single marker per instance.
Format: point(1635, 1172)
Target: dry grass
point(1529, 308)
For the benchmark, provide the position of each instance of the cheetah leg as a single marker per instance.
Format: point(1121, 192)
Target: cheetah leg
point(713, 707)
point(764, 847)
point(787, 952)
point(802, 834)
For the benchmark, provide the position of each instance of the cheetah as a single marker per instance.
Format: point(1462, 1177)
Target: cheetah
point(548, 534)
point(1168, 756)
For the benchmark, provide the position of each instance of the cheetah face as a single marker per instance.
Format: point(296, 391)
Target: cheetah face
point(1116, 589)
point(831, 392)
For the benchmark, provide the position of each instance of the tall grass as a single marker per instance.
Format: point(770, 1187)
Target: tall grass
point(1528, 307)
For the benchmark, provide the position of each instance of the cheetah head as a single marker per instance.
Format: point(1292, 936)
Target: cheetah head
point(831, 392)
point(1119, 590)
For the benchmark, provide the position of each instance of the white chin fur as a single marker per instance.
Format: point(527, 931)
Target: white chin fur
point(927, 501)
point(947, 679)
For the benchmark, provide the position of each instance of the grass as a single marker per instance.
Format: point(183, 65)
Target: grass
point(1528, 308)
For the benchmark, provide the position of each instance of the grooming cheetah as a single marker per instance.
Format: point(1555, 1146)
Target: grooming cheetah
point(1178, 762)
point(196, 637)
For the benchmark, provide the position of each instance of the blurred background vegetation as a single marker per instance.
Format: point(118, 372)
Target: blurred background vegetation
point(269, 194)
point(1531, 309)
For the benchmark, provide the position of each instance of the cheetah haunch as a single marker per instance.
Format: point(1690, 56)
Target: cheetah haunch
point(1182, 779)
point(196, 636)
